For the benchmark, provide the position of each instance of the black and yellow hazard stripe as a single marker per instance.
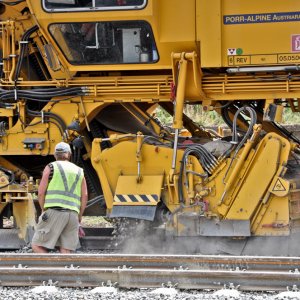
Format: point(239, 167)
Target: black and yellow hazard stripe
point(123, 199)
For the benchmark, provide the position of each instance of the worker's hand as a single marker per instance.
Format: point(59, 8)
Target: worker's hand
point(81, 232)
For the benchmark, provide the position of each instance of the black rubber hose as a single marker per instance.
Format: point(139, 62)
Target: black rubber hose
point(206, 159)
point(49, 115)
point(23, 46)
point(40, 95)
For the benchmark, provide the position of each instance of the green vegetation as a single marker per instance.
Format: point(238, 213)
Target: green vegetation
point(195, 112)
point(290, 117)
point(203, 118)
point(212, 118)
point(163, 116)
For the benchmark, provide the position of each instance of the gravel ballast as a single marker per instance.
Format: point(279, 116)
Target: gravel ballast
point(86, 294)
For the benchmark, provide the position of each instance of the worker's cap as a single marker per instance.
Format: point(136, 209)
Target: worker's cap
point(62, 147)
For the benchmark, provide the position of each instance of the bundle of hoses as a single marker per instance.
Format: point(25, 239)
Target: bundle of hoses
point(207, 160)
point(49, 117)
point(40, 95)
point(46, 114)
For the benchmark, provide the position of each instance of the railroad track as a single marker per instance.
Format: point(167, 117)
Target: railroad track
point(150, 271)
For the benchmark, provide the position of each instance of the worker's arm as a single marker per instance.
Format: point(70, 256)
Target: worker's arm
point(84, 198)
point(43, 187)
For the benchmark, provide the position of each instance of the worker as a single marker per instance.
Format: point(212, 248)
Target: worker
point(62, 196)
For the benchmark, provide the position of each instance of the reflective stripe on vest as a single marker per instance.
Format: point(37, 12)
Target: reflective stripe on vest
point(64, 189)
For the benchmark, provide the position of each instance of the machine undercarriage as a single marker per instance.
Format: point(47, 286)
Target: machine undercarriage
point(92, 74)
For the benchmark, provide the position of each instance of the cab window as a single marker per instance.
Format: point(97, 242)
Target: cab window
point(80, 5)
point(117, 42)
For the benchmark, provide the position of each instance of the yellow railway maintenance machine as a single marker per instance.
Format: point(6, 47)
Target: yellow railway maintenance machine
point(92, 73)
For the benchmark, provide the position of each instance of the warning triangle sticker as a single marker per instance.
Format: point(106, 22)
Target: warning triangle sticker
point(231, 51)
point(279, 187)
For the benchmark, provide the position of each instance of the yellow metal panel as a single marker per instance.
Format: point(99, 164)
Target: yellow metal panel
point(256, 182)
point(209, 31)
point(24, 214)
point(275, 219)
point(177, 20)
point(156, 161)
point(129, 192)
point(261, 30)
point(259, 27)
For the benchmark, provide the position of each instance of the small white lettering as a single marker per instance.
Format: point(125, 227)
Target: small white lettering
point(235, 19)
point(262, 18)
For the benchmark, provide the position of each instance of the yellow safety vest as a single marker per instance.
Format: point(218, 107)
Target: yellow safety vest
point(64, 189)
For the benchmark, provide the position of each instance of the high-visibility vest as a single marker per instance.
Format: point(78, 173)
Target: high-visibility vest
point(64, 189)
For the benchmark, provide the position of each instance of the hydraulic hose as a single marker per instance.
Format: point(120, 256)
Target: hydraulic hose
point(238, 145)
point(207, 160)
point(49, 117)
point(41, 95)
point(23, 49)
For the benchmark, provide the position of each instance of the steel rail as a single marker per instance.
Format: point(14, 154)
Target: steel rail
point(150, 271)
point(143, 261)
point(149, 278)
